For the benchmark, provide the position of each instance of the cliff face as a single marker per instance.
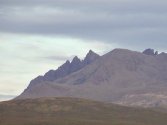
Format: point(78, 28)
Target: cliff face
point(120, 76)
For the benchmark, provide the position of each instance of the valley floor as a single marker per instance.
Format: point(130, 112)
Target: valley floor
point(73, 111)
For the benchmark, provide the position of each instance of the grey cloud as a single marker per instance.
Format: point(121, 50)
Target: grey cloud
point(114, 5)
point(126, 22)
point(55, 58)
point(6, 97)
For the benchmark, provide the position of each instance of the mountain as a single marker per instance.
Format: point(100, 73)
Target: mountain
point(66, 69)
point(121, 76)
point(75, 111)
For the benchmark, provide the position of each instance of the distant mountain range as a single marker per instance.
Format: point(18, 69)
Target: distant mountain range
point(121, 76)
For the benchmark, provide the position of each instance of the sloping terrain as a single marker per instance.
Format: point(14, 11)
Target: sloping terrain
point(120, 76)
point(66, 69)
point(73, 111)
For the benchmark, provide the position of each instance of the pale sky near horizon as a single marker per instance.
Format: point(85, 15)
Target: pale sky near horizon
point(38, 35)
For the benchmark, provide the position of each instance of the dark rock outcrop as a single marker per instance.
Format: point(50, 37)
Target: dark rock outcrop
point(150, 52)
point(75, 65)
point(90, 57)
point(66, 69)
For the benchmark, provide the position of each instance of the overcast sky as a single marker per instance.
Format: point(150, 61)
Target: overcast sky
point(38, 35)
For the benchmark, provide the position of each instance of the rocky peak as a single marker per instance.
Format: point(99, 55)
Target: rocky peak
point(67, 62)
point(91, 53)
point(76, 60)
point(65, 65)
point(150, 52)
point(76, 64)
point(90, 57)
point(66, 69)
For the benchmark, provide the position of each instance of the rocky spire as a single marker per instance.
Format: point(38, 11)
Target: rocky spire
point(75, 60)
point(90, 57)
point(66, 69)
point(151, 52)
point(76, 64)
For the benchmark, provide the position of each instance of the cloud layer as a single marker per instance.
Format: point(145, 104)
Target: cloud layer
point(129, 23)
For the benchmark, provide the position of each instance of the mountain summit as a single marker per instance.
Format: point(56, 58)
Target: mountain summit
point(90, 57)
point(151, 52)
point(121, 76)
point(65, 69)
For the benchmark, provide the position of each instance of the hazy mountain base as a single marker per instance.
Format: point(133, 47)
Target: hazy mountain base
point(73, 111)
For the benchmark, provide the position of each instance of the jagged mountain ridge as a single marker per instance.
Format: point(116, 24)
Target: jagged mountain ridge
point(66, 69)
point(120, 76)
